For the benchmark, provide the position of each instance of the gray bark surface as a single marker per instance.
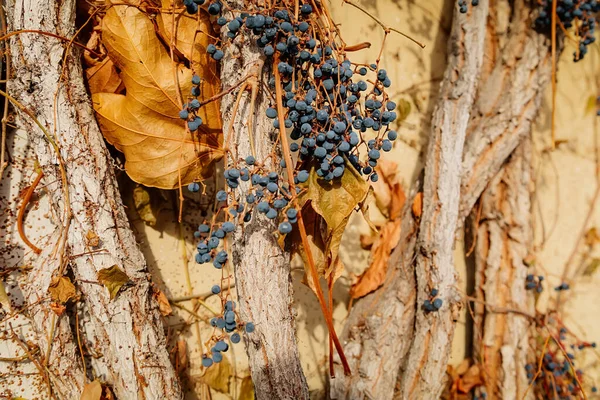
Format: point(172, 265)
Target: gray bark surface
point(503, 333)
point(262, 268)
point(127, 332)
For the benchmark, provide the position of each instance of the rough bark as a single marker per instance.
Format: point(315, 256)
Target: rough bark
point(504, 239)
point(262, 268)
point(376, 360)
point(127, 332)
point(380, 328)
point(508, 100)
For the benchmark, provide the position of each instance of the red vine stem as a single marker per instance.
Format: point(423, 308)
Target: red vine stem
point(21, 213)
point(328, 314)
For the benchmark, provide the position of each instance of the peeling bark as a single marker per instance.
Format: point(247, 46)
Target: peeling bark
point(376, 357)
point(502, 335)
point(127, 332)
point(380, 329)
point(262, 268)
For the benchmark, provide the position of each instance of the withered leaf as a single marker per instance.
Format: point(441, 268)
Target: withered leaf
point(103, 77)
point(61, 289)
point(113, 278)
point(469, 379)
point(218, 376)
point(92, 239)
point(246, 389)
point(403, 109)
point(144, 123)
point(390, 199)
point(4, 300)
point(142, 203)
point(374, 276)
point(326, 208)
point(163, 303)
point(417, 205)
point(592, 267)
point(92, 391)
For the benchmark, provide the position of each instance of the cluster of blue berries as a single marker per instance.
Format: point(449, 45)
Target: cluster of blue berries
point(463, 7)
point(321, 99)
point(559, 375)
point(563, 286)
point(189, 112)
point(533, 282)
point(580, 13)
point(228, 323)
point(434, 303)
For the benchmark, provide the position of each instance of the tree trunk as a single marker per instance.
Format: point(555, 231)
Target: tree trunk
point(262, 268)
point(126, 331)
point(508, 99)
point(504, 239)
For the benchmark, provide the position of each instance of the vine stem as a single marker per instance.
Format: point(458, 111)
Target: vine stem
point(327, 313)
point(21, 214)
point(553, 123)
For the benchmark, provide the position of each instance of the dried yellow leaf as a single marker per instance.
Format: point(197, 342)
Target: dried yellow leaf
point(92, 391)
point(247, 389)
point(218, 376)
point(61, 289)
point(113, 278)
point(144, 123)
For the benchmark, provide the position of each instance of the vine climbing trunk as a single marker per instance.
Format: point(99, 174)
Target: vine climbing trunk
point(262, 268)
point(504, 308)
point(413, 355)
point(126, 332)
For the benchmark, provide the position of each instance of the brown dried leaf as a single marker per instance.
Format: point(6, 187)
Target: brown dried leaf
point(592, 267)
point(61, 289)
point(142, 203)
point(218, 376)
point(326, 208)
point(469, 379)
point(246, 389)
point(113, 278)
point(104, 77)
point(403, 109)
point(163, 303)
point(92, 239)
point(92, 391)
point(179, 356)
point(57, 308)
point(374, 276)
point(592, 237)
point(417, 205)
point(4, 300)
point(144, 123)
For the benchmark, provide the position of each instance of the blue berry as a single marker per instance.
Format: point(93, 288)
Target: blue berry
point(216, 289)
point(221, 195)
point(206, 362)
point(285, 227)
point(249, 327)
point(235, 338)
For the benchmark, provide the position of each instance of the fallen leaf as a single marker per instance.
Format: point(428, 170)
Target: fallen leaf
point(403, 109)
point(113, 278)
point(592, 237)
point(326, 208)
point(417, 205)
point(179, 357)
point(61, 289)
point(469, 379)
point(592, 267)
point(141, 201)
point(591, 105)
point(57, 308)
point(218, 376)
point(103, 77)
point(92, 391)
point(192, 36)
point(144, 123)
point(163, 303)
point(374, 276)
point(92, 239)
point(4, 300)
point(246, 389)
